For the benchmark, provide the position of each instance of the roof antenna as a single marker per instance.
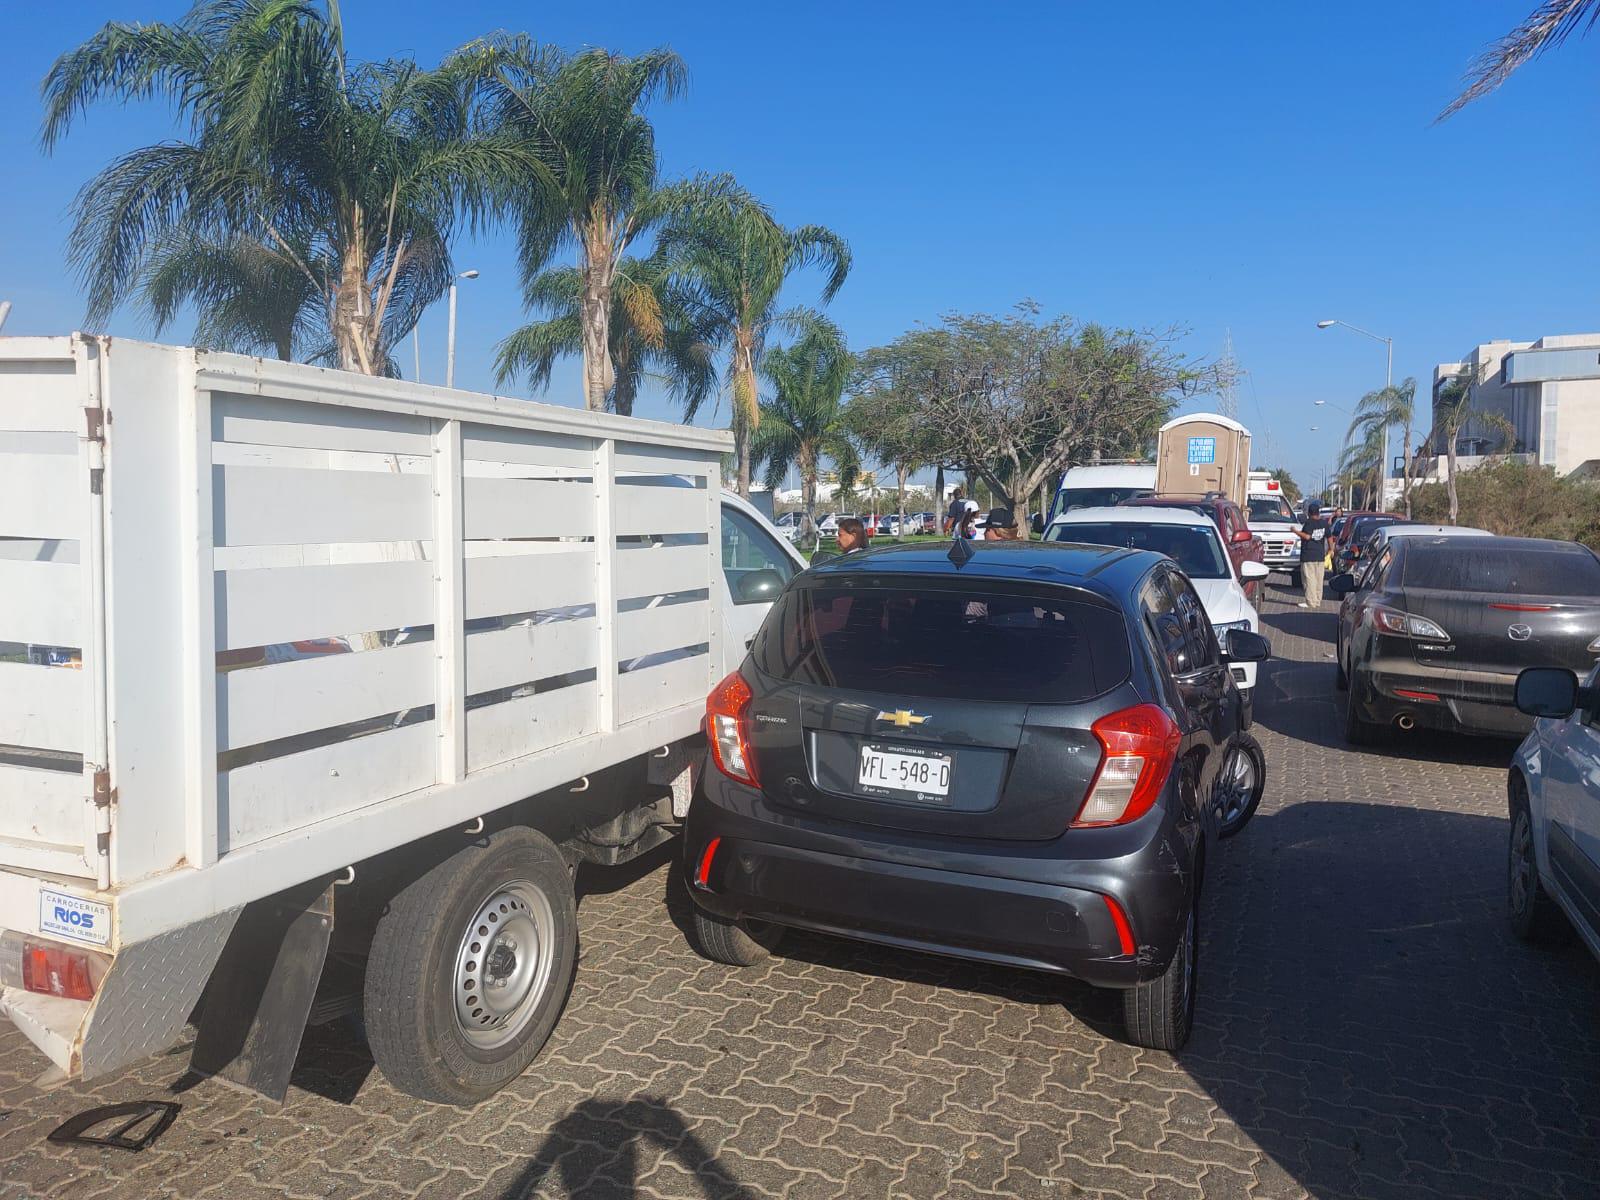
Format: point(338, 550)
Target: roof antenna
point(961, 551)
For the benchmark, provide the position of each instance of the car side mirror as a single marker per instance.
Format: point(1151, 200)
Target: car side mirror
point(1037, 524)
point(1547, 692)
point(1251, 569)
point(760, 585)
point(1242, 535)
point(1341, 584)
point(1244, 646)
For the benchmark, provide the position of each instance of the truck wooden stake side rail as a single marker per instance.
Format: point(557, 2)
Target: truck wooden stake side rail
point(314, 690)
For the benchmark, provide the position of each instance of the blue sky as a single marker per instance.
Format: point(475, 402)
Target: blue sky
point(1247, 168)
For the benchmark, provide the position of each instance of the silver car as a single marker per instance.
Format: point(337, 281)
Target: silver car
point(1554, 797)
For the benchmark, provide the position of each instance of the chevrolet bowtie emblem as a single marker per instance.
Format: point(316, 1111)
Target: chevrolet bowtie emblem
point(903, 717)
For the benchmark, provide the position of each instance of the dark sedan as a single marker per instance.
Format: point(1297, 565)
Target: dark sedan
point(1018, 760)
point(1434, 631)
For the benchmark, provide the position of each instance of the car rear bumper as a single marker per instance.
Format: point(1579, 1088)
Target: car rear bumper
point(1403, 688)
point(1020, 907)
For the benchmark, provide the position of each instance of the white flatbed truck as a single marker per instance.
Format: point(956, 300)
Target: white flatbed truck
point(320, 686)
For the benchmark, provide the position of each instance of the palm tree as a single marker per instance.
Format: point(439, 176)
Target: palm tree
point(806, 419)
point(1547, 27)
point(1452, 410)
point(248, 298)
point(1361, 463)
point(735, 259)
point(652, 330)
point(582, 116)
point(351, 175)
point(1376, 411)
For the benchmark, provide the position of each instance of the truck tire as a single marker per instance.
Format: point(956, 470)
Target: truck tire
point(1159, 1013)
point(469, 967)
point(736, 943)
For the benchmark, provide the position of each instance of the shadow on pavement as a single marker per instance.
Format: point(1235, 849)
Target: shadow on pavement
point(593, 1151)
point(1368, 1019)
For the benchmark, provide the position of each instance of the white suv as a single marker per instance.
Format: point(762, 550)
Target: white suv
point(1189, 539)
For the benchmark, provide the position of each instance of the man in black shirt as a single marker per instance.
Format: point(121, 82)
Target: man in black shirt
point(1313, 554)
point(953, 514)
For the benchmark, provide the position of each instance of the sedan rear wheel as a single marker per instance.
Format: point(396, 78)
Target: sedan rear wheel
point(1244, 777)
point(1358, 731)
point(1534, 915)
point(737, 943)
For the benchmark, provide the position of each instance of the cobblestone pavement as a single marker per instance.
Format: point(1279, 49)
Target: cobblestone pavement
point(1367, 1028)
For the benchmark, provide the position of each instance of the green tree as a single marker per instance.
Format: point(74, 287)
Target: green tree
point(806, 420)
point(1376, 412)
point(652, 331)
point(583, 118)
point(1546, 28)
point(1452, 411)
point(1014, 399)
point(248, 298)
point(735, 259)
point(353, 175)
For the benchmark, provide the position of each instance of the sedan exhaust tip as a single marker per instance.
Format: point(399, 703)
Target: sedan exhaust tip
point(1405, 722)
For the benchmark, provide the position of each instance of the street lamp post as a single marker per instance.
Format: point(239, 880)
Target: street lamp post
point(1388, 382)
point(450, 340)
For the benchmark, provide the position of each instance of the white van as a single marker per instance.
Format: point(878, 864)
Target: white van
point(1102, 485)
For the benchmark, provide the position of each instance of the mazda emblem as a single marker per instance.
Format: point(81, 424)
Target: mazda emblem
point(1520, 633)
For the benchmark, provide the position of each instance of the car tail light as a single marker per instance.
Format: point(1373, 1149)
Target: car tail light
point(1139, 746)
point(1119, 919)
point(1402, 624)
point(50, 969)
point(728, 729)
point(702, 873)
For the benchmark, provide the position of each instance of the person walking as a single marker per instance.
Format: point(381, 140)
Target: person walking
point(1313, 534)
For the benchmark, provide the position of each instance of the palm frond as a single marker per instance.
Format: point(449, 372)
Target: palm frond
point(1547, 27)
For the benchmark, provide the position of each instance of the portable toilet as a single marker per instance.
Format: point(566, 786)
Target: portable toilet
point(1203, 452)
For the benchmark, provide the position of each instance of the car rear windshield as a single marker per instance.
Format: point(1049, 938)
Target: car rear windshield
point(971, 644)
point(1195, 548)
point(1365, 525)
point(1457, 566)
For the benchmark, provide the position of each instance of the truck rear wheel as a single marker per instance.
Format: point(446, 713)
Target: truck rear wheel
point(469, 968)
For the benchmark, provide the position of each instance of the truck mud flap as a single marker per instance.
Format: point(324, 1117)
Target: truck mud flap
point(261, 993)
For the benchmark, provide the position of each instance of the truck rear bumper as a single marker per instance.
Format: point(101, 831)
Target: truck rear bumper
point(140, 1006)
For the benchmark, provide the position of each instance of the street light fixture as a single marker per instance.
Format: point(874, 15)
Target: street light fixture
point(450, 341)
point(1388, 382)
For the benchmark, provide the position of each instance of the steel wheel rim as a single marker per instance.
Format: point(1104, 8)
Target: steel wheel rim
point(1238, 783)
point(503, 964)
point(1521, 864)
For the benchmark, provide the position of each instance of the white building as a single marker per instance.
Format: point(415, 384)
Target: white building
point(1547, 390)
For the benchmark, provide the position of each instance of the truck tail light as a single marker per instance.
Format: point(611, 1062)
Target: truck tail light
point(1139, 747)
point(1401, 624)
point(49, 969)
point(728, 729)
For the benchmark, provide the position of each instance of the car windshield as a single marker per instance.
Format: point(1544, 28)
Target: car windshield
point(1193, 547)
point(973, 644)
point(1270, 508)
point(1504, 570)
point(1068, 499)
